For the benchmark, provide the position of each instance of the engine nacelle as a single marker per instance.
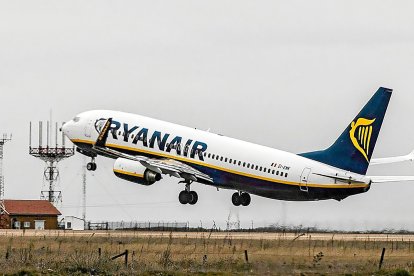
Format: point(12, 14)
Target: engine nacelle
point(135, 172)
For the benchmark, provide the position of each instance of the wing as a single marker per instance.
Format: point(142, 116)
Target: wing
point(385, 179)
point(389, 160)
point(162, 166)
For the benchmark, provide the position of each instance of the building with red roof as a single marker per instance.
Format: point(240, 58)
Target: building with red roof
point(29, 214)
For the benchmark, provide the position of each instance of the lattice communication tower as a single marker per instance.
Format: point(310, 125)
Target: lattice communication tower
point(3, 140)
point(52, 153)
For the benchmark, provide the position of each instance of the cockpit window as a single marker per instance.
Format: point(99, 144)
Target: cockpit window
point(76, 119)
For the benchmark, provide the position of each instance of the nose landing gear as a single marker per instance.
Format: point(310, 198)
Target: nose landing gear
point(240, 198)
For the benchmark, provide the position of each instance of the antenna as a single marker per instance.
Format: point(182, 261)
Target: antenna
point(6, 138)
point(63, 137)
point(52, 154)
point(84, 192)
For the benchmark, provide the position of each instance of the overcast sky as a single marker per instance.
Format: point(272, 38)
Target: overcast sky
point(285, 74)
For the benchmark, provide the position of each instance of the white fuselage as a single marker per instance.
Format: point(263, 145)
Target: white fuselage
point(240, 165)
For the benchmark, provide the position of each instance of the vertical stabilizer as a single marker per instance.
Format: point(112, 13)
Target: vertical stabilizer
point(352, 151)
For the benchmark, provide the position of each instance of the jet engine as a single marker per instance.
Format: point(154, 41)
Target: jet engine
point(134, 171)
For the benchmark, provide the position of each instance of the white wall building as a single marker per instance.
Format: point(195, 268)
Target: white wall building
point(74, 223)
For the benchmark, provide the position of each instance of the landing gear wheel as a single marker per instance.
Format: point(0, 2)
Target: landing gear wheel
point(91, 166)
point(184, 197)
point(235, 198)
point(194, 198)
point(245, 199)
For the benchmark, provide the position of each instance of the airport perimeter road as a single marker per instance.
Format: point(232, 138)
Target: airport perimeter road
point(210, 235)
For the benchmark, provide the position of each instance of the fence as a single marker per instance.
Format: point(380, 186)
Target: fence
point(124, 225)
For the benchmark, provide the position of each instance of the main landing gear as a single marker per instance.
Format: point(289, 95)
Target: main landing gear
point(187, 196)
point(91, 166)
point(240, 198)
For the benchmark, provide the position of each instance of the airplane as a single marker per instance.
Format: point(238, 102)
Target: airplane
point(147, 149)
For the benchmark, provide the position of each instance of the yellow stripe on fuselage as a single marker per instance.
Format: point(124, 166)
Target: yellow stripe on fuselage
point(312, 185)
point(129, 173)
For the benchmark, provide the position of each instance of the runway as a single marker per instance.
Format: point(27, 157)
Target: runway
point(211, 235)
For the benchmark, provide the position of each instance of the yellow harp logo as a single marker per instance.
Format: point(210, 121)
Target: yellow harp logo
point(360, 133)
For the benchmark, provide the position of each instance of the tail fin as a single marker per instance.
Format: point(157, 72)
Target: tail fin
point(353, 149)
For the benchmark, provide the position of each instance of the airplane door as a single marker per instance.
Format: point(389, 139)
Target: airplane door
point(88, 129)
point(304, 179)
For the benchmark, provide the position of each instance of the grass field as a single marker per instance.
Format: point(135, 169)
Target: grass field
point(164, 253)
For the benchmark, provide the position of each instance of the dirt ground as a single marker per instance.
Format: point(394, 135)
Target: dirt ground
point(203, 253)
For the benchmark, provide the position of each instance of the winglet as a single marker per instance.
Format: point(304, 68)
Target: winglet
point(103, 135)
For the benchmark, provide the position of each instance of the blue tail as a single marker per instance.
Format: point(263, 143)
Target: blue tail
point(353, 149)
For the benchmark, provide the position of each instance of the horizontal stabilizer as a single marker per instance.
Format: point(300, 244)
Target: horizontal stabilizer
point(349, 179)
point(385, 179)
point(396, 159)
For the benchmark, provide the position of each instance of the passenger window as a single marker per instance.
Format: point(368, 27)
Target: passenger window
point(277, 173)
point(248, 165)
point(225, 160)
point(286, 174)
point(273, 172)
point(209, 155)
point(234, 162)
point(244, 164)
point(257, 167)
point(239, 163)
point(213, 156)
point(260, 168)
point(217, 157)
point(231, 161)
point(221, 158)
point(132, 136)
